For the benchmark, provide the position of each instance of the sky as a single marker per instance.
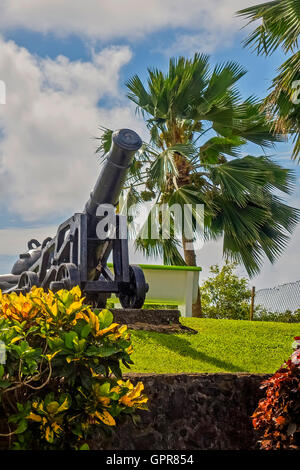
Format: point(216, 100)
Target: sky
point(65, 64)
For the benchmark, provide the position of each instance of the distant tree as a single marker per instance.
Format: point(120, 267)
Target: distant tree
point(225, 295)
point(262, 314)
point(279, 26)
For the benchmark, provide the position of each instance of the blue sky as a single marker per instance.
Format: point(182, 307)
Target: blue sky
point(65, 64)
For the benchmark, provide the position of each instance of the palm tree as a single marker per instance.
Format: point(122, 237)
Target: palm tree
point(280, 27)
point(198, 125)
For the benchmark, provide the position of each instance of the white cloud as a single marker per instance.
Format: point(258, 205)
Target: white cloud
point(199, 42)
point(285, 270)
point(47, 164)
point(14, 241)
point(107, 20)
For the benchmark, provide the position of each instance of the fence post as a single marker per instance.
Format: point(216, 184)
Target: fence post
point(252, 303)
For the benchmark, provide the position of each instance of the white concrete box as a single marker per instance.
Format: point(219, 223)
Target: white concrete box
point(174, 285)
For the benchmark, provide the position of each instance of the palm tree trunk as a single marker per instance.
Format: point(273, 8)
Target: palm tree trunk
point(190, 259)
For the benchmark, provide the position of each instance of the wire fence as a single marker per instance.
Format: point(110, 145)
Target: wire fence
point(279, 299)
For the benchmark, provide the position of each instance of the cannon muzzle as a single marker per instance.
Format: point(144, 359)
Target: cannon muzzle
point(108, 187)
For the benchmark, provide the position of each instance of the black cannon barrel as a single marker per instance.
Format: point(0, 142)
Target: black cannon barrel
point(125, 143)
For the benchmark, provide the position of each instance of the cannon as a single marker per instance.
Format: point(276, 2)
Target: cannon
point(77, 255)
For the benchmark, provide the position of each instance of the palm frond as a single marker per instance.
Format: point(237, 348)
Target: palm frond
point(139, 95)
point(163, 167)
point(105, 141)
point(222, 79)
point(258, 229)
point(253, 124)
point(215, 147)
point(153, 241)
point(280, 25)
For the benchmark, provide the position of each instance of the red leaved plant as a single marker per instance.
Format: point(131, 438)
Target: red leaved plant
point(277, 417)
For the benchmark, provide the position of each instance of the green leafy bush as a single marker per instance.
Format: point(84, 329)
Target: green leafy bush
point(262, 314)
point(277, 417)
point(61, 378)
point(225, 295)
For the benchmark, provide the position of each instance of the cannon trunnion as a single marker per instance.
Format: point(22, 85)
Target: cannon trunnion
point(77, 255)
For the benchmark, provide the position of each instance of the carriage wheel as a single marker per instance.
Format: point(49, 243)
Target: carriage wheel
point(27, 281)
point(67, 277)
point(136, 294)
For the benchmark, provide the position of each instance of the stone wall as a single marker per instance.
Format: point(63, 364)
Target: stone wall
point(191, 411)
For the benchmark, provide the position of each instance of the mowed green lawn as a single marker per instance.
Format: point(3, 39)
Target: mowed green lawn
point(219, 346)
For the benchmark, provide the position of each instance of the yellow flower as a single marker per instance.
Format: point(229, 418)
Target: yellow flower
point(105, 401)
point(134, 397)
point(51, 356)
point(74, 306)
point(56, 428)
point(34, 417)
point(105, 417)
point(49, 435)
point(115, 389)
point(112, 327)
point(76, 292)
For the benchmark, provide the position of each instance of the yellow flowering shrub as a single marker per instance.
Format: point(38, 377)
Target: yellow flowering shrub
point(61, 377)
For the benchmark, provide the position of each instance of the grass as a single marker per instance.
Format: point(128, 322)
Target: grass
point(219, 346)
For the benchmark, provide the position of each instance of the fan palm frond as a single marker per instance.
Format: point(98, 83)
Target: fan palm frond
point(279, 27)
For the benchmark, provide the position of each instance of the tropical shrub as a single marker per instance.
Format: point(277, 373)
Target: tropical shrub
point(277, 417)
point(225, 295)
point(61, 378)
